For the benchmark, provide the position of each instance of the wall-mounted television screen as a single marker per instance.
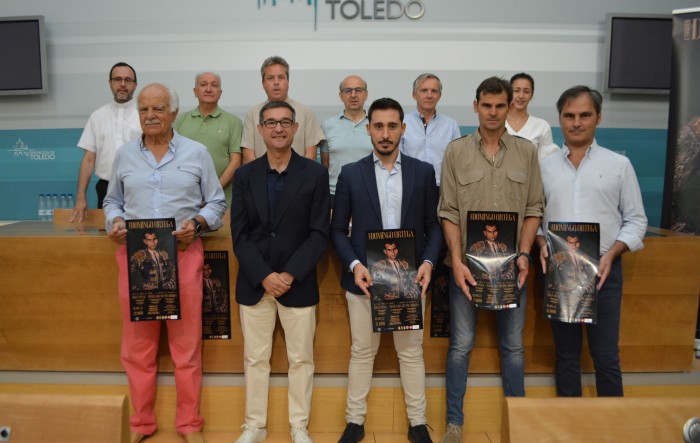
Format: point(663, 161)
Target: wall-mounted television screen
point(23, 56)
point(638, 53)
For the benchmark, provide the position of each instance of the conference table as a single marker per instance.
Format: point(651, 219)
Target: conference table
point(59, 309)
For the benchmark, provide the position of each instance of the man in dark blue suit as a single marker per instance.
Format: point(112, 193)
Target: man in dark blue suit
point(279, 224)
point(386, 190)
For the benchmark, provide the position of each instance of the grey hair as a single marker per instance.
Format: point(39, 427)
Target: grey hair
point(423, 77)
point(274, 60)
point(196, 77)
point(173, 98)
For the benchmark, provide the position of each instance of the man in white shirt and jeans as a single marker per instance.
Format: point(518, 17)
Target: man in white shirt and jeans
point(585, 182)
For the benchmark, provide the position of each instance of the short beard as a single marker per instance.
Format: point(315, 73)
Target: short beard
point(385, 153)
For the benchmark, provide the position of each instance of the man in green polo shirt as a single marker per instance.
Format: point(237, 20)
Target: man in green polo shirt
point(215, 128)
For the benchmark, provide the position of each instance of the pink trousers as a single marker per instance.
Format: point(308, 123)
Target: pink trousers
point(140, 347)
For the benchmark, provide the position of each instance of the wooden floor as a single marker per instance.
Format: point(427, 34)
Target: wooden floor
point(321, 437)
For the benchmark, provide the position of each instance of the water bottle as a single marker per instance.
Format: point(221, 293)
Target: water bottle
point(63, 201)
point(53, 203)
point(71, 202)
point(41, 207)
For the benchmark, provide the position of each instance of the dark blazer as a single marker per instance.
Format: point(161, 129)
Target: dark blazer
point(297, 241)
point(357, 198)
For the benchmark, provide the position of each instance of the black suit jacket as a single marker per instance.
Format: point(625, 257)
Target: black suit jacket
point(357, 198)
point(297, 241)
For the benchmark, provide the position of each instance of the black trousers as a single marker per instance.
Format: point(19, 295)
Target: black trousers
point(101, 188)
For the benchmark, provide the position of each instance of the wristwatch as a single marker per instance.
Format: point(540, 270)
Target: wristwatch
point(197, 227)
point(526, 255)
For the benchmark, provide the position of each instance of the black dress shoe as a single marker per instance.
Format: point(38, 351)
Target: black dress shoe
point(419, 434)
point(353, 433)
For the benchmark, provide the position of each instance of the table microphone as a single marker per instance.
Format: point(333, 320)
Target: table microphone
point(691, 430)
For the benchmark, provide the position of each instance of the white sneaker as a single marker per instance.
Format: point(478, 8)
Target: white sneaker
point(252, 435)
point(300, 435)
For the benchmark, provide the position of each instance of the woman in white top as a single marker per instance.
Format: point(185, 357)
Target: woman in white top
point(521, 123)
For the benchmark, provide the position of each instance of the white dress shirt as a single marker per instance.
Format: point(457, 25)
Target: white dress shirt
point(604, 189)
point(107, 129)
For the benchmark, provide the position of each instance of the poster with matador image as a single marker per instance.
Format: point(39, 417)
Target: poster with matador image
point(440, 302)
point(216, 301)
point(570, 294)
point(395, 297)
point(491, 257)
point(151, 249)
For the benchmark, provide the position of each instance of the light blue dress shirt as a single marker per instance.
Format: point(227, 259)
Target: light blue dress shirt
point(139, 187)
point(604, 189)
point(429, 143)
point(390, 188)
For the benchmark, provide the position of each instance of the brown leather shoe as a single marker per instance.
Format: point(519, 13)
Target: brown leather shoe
point(194, 437)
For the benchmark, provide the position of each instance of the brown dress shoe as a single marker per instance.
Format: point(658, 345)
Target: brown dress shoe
point(195, 437)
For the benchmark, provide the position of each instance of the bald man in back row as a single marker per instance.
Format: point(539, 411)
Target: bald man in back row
point(215, 128)
point(346, 140)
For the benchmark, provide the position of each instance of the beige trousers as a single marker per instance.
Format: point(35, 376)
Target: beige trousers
point(258, 325)
point(365, 343)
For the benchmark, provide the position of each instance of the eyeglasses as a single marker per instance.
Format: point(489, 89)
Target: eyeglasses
point(272, 124)
point(126, 80)
point(349, 91)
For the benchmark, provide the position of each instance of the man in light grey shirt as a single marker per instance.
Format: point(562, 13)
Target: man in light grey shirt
point(346, 135)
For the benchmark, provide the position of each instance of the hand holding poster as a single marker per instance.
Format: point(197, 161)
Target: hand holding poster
point(396, 297)
point(153, 286)
point(571, 295)
point(491, 259)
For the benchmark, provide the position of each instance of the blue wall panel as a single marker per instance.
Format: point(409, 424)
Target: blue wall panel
point(37, 161)
point(49, 163)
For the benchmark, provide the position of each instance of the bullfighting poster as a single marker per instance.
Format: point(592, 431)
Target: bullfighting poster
point(570, 293)
point(216, 301)
point(681, 211)
point(440, 301)
point(491, 256)
point(151, 250)
point(395, 296)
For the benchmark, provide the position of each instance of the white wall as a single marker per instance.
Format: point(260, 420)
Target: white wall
point(559, 42)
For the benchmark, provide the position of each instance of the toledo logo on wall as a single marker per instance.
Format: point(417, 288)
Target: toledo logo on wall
point(365, 9)
point(22, 150)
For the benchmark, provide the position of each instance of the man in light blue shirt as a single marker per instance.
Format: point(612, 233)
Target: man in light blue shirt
point(427, 132)
point(585, 182)
point(346, 140)
point(164, 175)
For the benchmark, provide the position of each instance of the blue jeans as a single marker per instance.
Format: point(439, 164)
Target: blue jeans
point(509, 324)
point(603, 340)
